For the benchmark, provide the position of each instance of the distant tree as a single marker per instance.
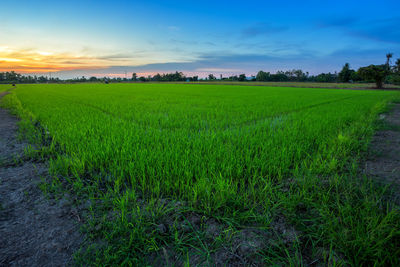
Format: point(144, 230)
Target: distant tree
point(42, 79)
point(242, 77)
point(325, 78)
point(92, 79)
point(134, 77)
point(262, 76)
point(378, 73)
point(157, 77)
point(345, 75)
point(279, 76)
point(355, 77)
point(233, 78)
point(195, 78)
point(299, 75)
point(211, 77)
point(397, 66)
point(388, 57)
point(142, 79)
point(395, 76)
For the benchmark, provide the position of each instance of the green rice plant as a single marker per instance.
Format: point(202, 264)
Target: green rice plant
point(242, 155)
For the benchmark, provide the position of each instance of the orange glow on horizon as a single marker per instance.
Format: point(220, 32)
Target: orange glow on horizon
point(30, 61)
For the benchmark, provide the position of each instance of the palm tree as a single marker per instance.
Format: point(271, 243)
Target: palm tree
point(388, 57)
point(398, 65)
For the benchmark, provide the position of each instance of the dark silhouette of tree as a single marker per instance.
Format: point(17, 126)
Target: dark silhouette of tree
point(211, 77)
point(242, 77)
point(397, 66)
point(262, 76)
point(388, 57)
point(345, 75)
point(378, 73)
point(134, 77)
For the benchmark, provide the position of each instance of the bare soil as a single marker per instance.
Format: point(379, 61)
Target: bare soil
point(34, 230)
point(383, 162)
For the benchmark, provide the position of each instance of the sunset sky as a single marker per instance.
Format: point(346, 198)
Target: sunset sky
point(109, 38)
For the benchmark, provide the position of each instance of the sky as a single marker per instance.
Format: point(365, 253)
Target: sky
point(116, 38)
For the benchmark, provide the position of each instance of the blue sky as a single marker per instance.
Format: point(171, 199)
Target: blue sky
point(75, 38)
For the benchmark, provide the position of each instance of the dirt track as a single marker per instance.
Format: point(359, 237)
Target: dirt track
point(34, 231)
point(383, 162)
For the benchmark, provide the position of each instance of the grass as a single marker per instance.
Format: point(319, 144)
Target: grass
point(188, 174)
point(301, 84)
point(4, 87)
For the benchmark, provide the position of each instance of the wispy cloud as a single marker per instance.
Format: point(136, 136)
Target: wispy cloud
point(262, 29)
point(386, 30)
point(336, 22)
point(228, 63)
point(116, 56)
point(378, 30)
point(173, 28)
point(31, 60)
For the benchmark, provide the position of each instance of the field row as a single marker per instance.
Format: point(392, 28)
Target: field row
point(241, 155)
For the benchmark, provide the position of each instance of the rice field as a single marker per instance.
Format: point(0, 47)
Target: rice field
point(151, 157)
point(370, 86)
point(4, 87)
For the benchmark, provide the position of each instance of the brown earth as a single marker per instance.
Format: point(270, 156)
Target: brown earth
point(383, 162)
point(34, 230)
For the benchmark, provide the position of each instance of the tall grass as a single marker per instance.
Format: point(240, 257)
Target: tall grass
point(243, 155)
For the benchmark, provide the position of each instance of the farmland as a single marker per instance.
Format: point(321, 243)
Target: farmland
point(4, 87)
point(160, 163)
point(303, 84)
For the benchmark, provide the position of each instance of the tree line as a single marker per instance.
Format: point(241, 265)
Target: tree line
point(13, 77)
point(380, 74)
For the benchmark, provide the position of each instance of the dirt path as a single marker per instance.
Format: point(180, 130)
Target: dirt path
point(383, 162)
point(34, 231)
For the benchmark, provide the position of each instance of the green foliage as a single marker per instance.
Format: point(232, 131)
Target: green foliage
point(397, 67)
point(346, 74)
point(242, 155)
point(171, 77)
point(242, 77)
point(262, 76)
point(211, 77)
point(394, 78)
point(378, 73)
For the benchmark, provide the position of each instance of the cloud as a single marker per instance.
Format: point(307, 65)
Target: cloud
point(175, 41)
point(381, 30)
point(173, 28)
point(217, 62)
point(336, 22)
point(31, 60)
point(387, 30)
point(226, 63)
point(217, 70)
point(116, 56)
point(262, 29)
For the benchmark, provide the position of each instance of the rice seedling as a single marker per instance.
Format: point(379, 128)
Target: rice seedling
point(162, 162)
